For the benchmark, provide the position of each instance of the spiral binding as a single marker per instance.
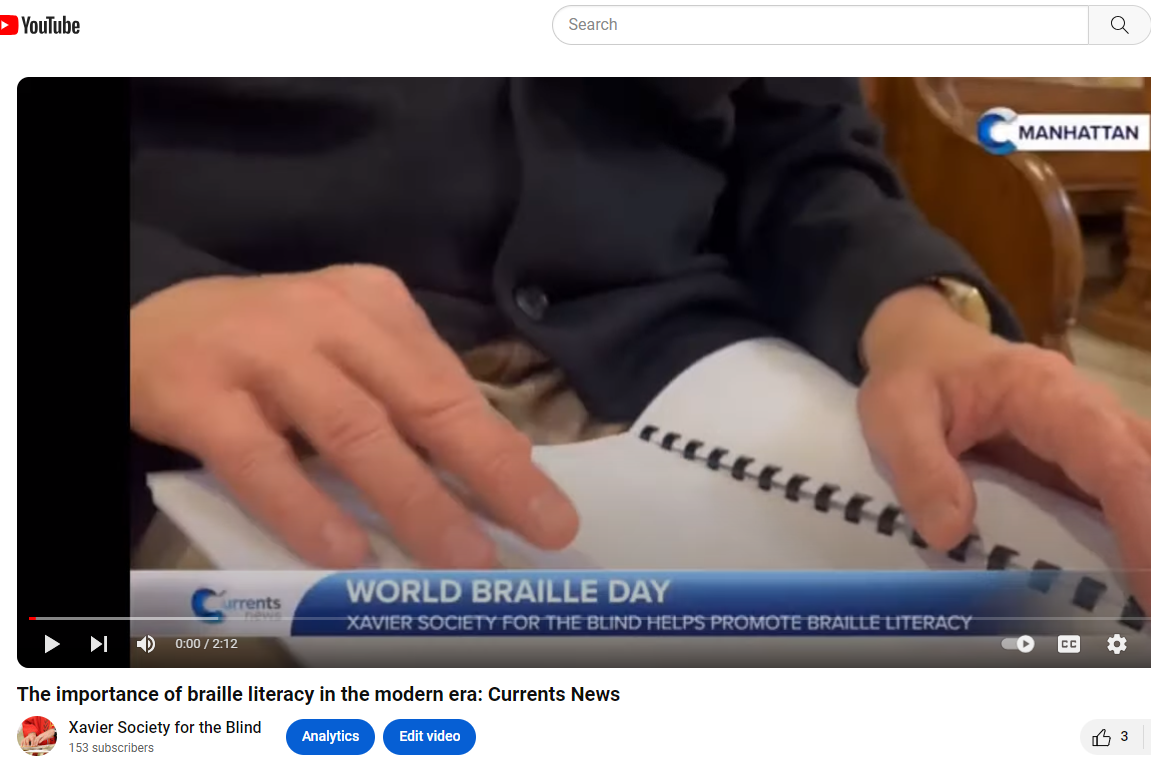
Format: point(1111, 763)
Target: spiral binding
point(890, 520)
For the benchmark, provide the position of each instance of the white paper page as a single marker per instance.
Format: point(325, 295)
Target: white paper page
point(644, 507)
point(203, 510)
point(640, 507)
point(770, 400)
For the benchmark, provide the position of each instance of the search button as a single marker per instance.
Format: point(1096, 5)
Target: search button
point(1117, 25)
point(330, 737)
point(429, 737)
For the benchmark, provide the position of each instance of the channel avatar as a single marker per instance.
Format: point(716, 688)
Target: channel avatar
point(36, 736)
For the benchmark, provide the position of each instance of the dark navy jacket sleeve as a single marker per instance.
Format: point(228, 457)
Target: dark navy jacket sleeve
point(158, 260)
point(824, 230)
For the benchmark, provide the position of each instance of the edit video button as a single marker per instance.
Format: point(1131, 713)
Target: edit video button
point(330, 737)
point(429, 737)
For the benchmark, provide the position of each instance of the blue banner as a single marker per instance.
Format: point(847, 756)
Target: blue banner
point(546, 603)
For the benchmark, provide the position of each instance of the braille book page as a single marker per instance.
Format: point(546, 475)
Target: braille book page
point(751, 459)
point(769, 401)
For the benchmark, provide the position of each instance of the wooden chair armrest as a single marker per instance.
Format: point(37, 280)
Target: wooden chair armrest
point(1009, 212)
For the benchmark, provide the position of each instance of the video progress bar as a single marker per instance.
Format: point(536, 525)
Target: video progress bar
point(121, 618)
point(333, 618)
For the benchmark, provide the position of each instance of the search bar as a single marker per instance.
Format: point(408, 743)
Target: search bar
point(851, 25)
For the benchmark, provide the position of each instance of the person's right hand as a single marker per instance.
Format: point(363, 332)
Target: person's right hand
point(225, 368)
point(29, 740)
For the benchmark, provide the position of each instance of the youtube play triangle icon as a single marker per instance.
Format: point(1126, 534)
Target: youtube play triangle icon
point(9, 25)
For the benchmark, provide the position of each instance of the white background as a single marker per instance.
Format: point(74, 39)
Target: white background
point(920, 718)
point(784, 717)
point(512, 37)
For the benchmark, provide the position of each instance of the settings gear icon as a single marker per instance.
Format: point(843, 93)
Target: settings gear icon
point(1117, 644)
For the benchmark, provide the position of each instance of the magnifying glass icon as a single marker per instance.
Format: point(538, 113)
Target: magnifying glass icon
point(1119, 23)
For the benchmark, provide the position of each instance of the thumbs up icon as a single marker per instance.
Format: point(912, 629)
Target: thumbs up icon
point(1101, 739)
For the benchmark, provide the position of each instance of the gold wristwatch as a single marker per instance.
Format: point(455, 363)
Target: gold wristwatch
point(965, 299)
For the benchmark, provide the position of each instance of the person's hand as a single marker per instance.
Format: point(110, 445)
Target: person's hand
point(45, 737)
point(939, 387)
point(29, 740)
point(226, 368)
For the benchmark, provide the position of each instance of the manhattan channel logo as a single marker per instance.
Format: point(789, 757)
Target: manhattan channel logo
point(47, 25)
point(1001, 131)
point(214, 607)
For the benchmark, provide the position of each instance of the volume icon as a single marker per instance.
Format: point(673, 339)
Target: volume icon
point(147, 644)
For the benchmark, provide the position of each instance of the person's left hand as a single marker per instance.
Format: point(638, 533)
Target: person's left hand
point(44, 737)
point(939, 387)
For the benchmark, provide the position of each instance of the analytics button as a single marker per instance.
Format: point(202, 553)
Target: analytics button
point(330, 737)
point(429, 737)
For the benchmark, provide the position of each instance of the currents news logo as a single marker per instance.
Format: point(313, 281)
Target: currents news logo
point(48, 25)
point(213, 606)
point(1002, 131)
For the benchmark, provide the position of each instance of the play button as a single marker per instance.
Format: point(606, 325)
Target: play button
point(49, 643)
point(3, 25)
point(1025, 644)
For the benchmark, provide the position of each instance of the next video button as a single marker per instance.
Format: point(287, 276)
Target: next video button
point(331, 737)
point(429, 737)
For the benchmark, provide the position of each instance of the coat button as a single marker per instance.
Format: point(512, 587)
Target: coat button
point(532, 301)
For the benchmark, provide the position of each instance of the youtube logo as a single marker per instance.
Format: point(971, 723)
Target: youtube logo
point(49, 25)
